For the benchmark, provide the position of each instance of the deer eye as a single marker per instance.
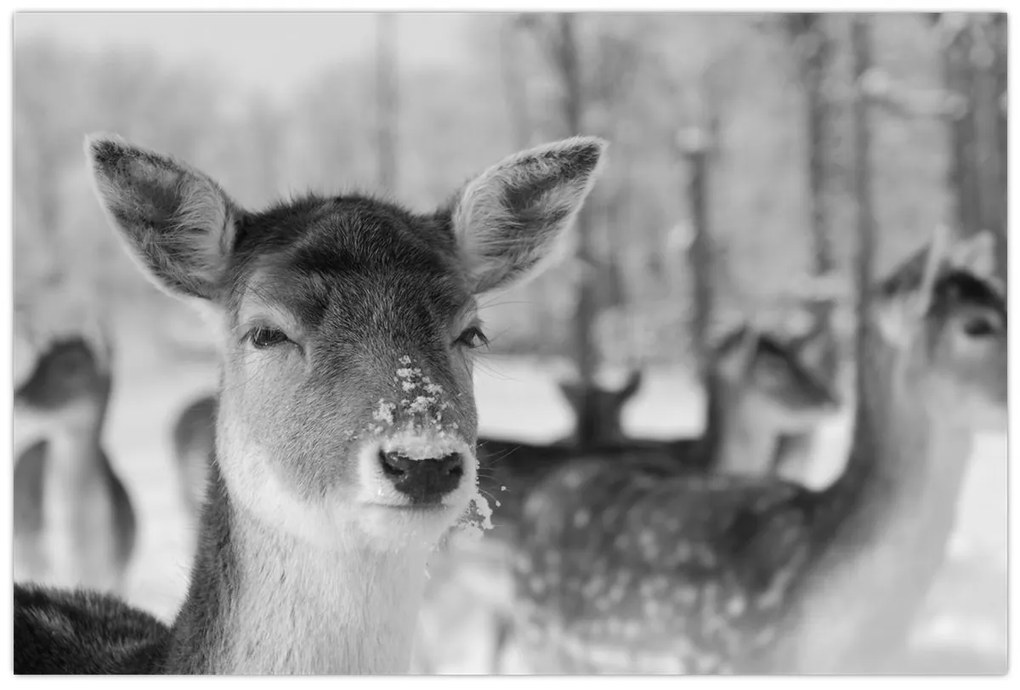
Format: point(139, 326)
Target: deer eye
point(471, 338)
point(980, 327)
point(263, 337)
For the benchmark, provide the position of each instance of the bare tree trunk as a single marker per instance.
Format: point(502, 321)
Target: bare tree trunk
point(816, 57)
point(989, 65)
point(1001, 49)
point(695, 143)
point(585, 356)
point(860, 38)
point(386, 101)
point(963, 175)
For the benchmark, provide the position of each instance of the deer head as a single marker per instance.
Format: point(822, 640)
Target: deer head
point(346, 326)
point(944, 314)
point(772, 380)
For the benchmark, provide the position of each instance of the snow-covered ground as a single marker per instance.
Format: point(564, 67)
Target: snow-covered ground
point(517, 397)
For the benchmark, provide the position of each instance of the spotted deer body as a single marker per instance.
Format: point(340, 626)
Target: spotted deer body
point(641, 570)
point(346, 420)
point(74, 523)
point(760, 388)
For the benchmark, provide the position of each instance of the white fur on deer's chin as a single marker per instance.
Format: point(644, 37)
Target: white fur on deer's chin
point(344, 519)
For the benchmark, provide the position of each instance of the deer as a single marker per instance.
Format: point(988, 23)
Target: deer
point(346, 415)
point(780, 377)
point(194, 451)
point(74, 522)
point(640, 569)
point(760, 388)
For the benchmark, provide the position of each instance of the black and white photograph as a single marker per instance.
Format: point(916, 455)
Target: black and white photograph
point(600, 342)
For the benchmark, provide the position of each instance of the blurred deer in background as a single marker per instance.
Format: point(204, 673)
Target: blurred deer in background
point(74, 524)
point(194, 449)
point(636, 568)
point(760, 388)
point(347, 422)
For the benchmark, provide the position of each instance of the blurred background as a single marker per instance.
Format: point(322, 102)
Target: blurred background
point(727, 192)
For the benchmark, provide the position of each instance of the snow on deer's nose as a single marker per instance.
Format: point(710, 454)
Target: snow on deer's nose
point(416, 401)
point(418, 452)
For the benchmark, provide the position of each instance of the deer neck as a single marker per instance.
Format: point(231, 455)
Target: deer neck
point(906, 463)
point(265, 602)
point(744, 442)
point(78, 504)
point(882, 528)
point(715, 416)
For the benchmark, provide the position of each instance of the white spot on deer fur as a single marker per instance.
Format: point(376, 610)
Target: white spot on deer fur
point(705, 556)
point(648, 543)
point(686, 596)
point(573, 479)
point(581, 518)
point(736, 605)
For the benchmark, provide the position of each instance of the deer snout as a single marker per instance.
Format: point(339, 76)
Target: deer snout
point(423, 480)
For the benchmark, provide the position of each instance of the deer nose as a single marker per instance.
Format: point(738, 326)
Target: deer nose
point(424, 480)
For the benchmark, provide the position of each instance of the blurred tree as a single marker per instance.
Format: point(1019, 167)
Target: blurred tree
point(814, 52)
point(860, 41)
point(634, 70)
point(387, 89)
point(974, 64)
point(696, 143)
point(592, 67)
point(813, 47)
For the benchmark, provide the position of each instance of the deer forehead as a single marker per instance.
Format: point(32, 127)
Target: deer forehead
point(330, 238)
point(352, 267)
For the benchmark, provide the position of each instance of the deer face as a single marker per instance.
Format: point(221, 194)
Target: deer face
point(770, 381)
point(67, 387)
point(346, 326)
point(946, 315)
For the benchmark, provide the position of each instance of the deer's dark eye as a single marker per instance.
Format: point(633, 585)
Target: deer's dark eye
point(263, 337)
point(979, 327)
point(471, 338)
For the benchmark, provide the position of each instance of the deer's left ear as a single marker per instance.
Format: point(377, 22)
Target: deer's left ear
point(509, 218)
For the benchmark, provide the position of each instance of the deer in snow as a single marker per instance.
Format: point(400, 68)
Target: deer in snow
point(346, 424)
point(637, 568)
point(74, 523)
point(760, 388)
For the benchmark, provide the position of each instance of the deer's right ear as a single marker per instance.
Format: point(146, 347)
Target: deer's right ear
point(510, 217)
point(177, 222)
